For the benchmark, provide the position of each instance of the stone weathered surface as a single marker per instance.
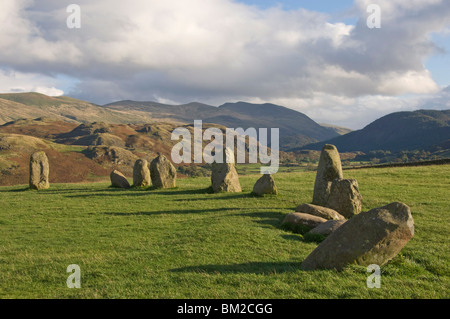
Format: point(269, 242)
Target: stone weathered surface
point(320, 211)
point(345, 197)
point(303, 220)
point(141, 174)
point(163, 173)
point(329, 169)
point(119, 180)
point(373, 237)
point(224, 177)
point(328, 227)
point(39, 171)
point(265, 185)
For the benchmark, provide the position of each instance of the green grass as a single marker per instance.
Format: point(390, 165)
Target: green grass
point(69, 148)
point(31, 98)
point(188, 243)
point(251, 169)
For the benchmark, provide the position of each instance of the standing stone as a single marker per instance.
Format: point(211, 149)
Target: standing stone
point(224, 177)
point(324, 212)
point(39, 171)
point(141, 174)
point(345, 197)
point(119, 180)
point(163, 173)
point(265, 185)
point(329, 169)
point(373, 237)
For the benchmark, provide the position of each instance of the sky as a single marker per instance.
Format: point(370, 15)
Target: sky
point(317, 57)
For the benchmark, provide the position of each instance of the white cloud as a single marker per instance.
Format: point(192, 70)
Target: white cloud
point(355, 113)
point(219, 50)
point(50, 91)
point(16, 82)
point(417, 82)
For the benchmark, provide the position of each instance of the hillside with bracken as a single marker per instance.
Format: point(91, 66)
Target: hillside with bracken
point(83, 152)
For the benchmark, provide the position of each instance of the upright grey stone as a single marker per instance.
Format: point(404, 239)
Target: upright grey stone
point(224, 177)
point(265, 185)
point(163, 173)
point(373, 237)
point(39, 171)
point(329, 169)
point(345, 197)
point(141, 173)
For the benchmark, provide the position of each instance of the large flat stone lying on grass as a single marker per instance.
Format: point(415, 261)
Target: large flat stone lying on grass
point(373, 237)
point(328, 227)
point(301, 219)
point(319, 211)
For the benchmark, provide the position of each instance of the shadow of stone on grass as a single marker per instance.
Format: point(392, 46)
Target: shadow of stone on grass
point(265, 218)
point(107, 192)
point(263, 268)
point(175, 212)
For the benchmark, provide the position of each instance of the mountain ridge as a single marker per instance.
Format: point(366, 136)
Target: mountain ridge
point(14, 106)
point(398, 131)
point(296, 128)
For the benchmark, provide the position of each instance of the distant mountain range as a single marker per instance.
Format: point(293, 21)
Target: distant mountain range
point(296, 129)
point(422, 129)
point(418, 130)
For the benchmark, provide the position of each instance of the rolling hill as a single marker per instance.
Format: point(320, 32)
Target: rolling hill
point(424, 129)
point(78, 153)
point(86, 141)
point(84, 152)
point(15, 106)
point(418, 130)
point(296, 129)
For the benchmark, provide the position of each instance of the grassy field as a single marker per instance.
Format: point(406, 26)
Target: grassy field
point(187, 243)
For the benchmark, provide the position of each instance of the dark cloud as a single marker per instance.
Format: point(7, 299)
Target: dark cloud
point(221, 50)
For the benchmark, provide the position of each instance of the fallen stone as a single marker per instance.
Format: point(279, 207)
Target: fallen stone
point(320, 211)
point(328, 227)
point(301, 219)
point(373, 237)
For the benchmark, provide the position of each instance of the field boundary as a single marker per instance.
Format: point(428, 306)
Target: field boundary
point(423, 163)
